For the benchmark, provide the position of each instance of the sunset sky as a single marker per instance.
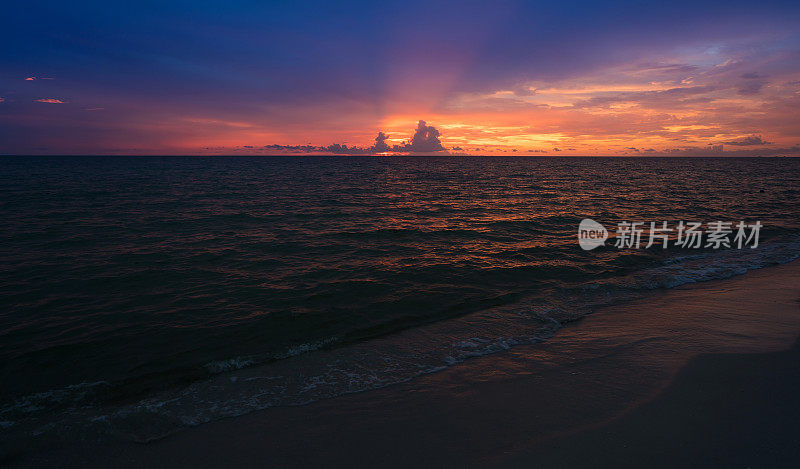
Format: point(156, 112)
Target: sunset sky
point(527, 78)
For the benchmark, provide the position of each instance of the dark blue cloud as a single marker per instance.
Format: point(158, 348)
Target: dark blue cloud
point(281, 51)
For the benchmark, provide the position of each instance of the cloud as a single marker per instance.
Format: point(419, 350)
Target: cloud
point(751, 87)
point(716, 150)
point(335, 149)
point(670, 96)
point(752, 75)
point(524, 91)
point(380, 143)
point(291, 148)
point(425, 140)
point(695, 151)
point(30, 78)
point(729, 63)
point(664, 68)
point(2, 99)
point(50, 100)
point(748, 141)
point(338, 149)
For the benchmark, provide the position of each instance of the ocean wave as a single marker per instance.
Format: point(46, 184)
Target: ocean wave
point(221, 366)
point(316, 370)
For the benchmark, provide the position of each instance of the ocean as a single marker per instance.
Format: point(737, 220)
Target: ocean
point(142, 295)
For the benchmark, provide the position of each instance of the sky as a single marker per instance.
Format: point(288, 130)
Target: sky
point(691, 78)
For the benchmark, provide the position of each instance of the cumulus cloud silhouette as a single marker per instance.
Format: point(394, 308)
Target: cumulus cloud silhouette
point(338, 149)
point(380, 143)
point(291, 148)
point(425, 140)
point(748, 141)
point(695, 151)
point(717, 150)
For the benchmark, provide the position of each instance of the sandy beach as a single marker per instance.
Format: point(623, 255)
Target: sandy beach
point(722, 410)
point(699, 374)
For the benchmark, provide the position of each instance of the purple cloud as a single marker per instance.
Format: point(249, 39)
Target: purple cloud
point(748, 141)
point(425, 140)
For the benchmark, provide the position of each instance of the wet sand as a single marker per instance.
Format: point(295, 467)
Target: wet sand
point(699, 375)
point(736, 410)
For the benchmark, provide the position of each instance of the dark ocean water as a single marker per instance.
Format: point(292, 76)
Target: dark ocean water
point(140, 295)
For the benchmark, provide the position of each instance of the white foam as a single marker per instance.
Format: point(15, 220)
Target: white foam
point(221, 366)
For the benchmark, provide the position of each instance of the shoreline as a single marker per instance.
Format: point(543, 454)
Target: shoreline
point(523, 406)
